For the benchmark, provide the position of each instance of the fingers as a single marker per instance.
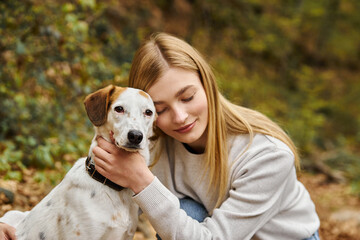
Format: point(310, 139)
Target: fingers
point(107, 150)
point(101, 159)
point(112, 137)
point(101, 166)
point(7, 232)
point(100, 152)
point(105, 145)
point(11, 232)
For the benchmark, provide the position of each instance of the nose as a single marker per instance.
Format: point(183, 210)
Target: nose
point(135, 136)
point(180, 115)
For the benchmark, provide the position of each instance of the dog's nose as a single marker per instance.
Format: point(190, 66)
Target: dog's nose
point(135, 136)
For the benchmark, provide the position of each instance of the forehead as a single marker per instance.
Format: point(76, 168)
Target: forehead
point(172, 81)
point(131, 95)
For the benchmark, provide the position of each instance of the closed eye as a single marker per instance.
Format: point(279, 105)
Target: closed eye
point(188, 99)
point(160, 112)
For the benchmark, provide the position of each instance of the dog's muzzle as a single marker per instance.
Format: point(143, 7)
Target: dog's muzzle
point(134, 138)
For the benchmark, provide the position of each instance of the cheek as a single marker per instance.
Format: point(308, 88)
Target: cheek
point(162, 123)
point(201, 107)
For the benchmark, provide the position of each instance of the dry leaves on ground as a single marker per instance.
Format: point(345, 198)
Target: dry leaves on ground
point(339, 211)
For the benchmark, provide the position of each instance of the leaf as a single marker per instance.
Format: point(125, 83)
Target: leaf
point(14, 175)
point(20, 47)
point(88, 3)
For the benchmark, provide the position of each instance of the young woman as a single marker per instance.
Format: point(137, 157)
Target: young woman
point(220, 171)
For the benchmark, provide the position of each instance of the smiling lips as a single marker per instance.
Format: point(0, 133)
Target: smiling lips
point(186, 128)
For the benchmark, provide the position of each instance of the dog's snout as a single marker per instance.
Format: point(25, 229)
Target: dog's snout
point(135, 136)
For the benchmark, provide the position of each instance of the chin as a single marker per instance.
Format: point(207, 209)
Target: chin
point(190, 139)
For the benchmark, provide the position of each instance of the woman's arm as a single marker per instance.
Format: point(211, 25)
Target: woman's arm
point(254, 198)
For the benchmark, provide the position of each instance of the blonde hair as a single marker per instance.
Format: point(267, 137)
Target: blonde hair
point(162, 51)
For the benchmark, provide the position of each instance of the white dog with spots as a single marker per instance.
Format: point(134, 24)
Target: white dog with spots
point(81, 207)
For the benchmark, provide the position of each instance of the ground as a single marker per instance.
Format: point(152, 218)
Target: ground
point(338, 209)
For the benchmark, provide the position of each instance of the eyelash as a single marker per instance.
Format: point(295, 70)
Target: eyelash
point(188, 99)
point(158, 113)
point(183, 100)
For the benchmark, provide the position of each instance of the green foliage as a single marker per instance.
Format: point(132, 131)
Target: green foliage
point(298, 62)
point(349, 163)
point(295, 61)
point(51, 57)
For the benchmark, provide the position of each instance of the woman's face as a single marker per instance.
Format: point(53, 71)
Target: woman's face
point(182, 107)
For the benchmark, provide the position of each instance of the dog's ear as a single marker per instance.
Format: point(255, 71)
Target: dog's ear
point(97, 103)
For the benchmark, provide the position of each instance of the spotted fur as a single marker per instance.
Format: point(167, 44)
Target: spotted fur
point(81, 207)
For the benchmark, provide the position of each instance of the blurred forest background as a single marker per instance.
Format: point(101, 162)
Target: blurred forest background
point(297, 61)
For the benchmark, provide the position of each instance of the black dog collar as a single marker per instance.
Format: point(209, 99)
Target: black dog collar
point(90, 168)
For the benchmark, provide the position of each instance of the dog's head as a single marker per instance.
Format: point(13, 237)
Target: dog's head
point(128, 112)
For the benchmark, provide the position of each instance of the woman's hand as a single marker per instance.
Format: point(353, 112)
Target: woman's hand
point(7, 232)
point(128, 169)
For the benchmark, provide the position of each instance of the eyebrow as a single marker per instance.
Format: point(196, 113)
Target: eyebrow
point(181, 91)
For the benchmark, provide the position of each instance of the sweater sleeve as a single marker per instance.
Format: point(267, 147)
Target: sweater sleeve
point(162, 208)
point(255, 195)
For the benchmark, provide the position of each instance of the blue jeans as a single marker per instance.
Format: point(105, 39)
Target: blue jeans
point(193, 209)
point(198, 212)
point(315, 236)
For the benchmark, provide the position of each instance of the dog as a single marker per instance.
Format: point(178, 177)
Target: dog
point(86, 205)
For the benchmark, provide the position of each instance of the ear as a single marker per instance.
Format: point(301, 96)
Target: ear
point(97, 103)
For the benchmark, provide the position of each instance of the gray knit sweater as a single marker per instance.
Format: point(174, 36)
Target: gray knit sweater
point(264, 198)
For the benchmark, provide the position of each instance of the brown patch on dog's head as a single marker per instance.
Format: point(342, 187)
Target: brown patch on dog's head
point(97, 104)
point(116, 93)
point(142, 93)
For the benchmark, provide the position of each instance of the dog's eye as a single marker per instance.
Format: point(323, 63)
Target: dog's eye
point(148, 112)
point(119, 109)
